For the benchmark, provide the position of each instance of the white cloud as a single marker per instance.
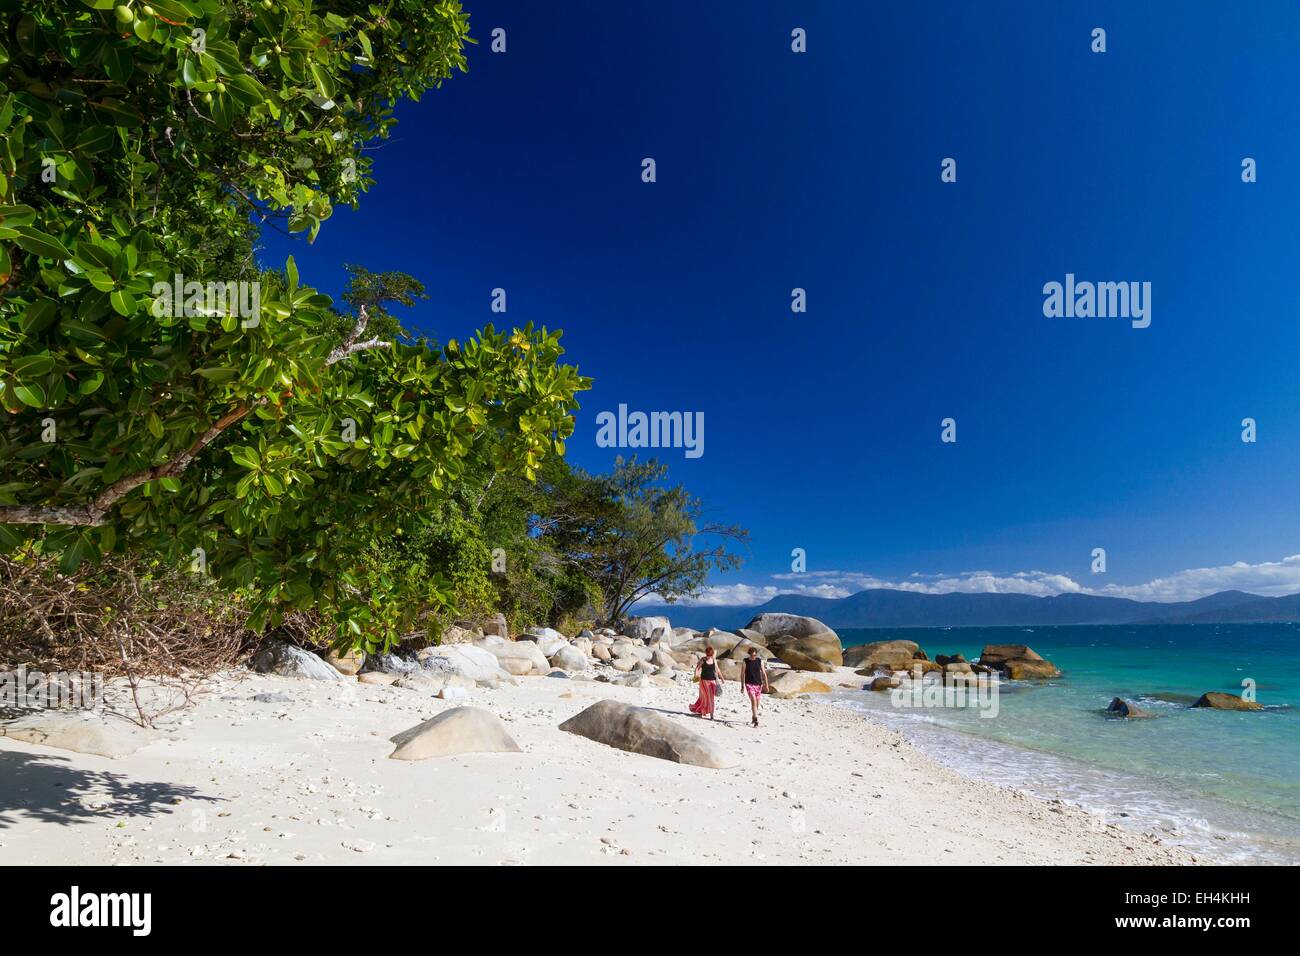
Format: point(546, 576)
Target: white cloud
point(1270, 579)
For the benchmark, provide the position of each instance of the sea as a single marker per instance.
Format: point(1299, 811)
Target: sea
point(1225, 785)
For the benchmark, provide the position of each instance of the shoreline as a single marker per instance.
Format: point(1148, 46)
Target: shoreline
point(303, 776)
point(1176, 818)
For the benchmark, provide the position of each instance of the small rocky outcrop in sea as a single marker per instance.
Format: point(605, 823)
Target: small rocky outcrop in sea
point(1017, 662)
point(1119, 707)
point(805, 643)
point(1217, 701)
point(882, 655)
point(461, 730)
point(642, 731)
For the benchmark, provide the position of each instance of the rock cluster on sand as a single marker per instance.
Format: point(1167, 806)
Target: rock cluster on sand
point(646, 652)
point(642, 731)
point(461, 730)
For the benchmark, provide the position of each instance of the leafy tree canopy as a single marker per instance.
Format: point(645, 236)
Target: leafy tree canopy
point(152, 403)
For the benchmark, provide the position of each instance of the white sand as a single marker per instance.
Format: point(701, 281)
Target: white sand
point(237, 782)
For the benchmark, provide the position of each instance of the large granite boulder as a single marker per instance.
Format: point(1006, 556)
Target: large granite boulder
point(569, 658)
point(885, 655)
point(80, 732)
point(1218, 701)
point(461, 730)
point(793, 683)
point(277, 657)
point(518, 658)
point(652, 630)
point(642, 731)
point(467, 660)
point(804, 643)
point(1017, 661)
point(999, 653)
point(721, 641)
point(741, 652)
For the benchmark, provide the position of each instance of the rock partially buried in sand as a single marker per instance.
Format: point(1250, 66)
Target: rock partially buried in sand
point(277, 657)
point(79, 732)
point(1217, 701)
point(461, 730)
point(794, 683)
point(1119, 707)
point(641, 731)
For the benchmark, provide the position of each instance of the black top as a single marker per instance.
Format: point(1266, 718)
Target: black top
point(753, 670)
point(708, 670)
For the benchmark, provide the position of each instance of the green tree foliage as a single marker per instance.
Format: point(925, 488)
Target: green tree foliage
point(630, 536)
point(273, 450)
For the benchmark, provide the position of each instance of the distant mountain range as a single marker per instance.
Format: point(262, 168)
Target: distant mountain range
point(889, 607)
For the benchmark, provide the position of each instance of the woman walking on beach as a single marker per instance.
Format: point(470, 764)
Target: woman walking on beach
point(755, 680)
point(706, 672)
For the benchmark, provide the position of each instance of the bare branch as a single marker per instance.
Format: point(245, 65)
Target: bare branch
point(92, 514)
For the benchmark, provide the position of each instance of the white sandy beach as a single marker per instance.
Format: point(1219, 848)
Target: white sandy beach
point(237, 782)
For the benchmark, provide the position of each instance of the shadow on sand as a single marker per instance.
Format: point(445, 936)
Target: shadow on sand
point(47, 788)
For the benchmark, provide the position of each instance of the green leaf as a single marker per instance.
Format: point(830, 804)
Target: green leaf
point(40, 243)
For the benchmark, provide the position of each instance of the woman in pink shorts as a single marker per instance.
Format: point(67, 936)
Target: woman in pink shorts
point(755, 680)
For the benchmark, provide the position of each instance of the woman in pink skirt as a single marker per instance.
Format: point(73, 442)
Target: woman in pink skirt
point(706, 672)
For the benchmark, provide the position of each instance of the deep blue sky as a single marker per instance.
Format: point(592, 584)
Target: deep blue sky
point(821, 170)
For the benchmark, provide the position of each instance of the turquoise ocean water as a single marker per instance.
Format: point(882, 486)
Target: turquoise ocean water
point(1220, 783)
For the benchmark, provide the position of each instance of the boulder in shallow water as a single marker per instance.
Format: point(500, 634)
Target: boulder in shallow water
point(1029, 670)
point(890, 655)
point(80, 732)
point(883, 683)
point(1119, 707)
point(1217, 701)
point(642, 731)
point(277, 657)
point(461, 730)
point(1017, 661)
point(997, 653)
